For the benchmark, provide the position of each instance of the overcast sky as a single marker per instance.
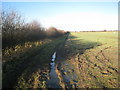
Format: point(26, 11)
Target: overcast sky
point(73, 16)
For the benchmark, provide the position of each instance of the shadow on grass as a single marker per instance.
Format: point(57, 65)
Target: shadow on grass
point(31, 61)
point(74, 46)
point(13, 69)
point(66, 50)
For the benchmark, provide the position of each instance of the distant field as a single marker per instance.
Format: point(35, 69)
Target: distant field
point(94, 58)
point(108, 38)
point(104, 39)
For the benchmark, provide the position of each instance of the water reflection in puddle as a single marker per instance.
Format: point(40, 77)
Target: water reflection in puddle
point(53, 59)
point(53, 82)
point(54, 55)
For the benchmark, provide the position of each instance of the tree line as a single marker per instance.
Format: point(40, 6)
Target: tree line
point(16, 31)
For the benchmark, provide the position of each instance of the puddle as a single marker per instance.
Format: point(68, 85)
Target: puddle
point(53, 82)
point(54, 56)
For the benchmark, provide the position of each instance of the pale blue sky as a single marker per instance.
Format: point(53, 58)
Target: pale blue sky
point(59, 13)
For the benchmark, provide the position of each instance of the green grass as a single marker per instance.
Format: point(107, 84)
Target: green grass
point(89, 58)
point(95, 58)
point(83, 40)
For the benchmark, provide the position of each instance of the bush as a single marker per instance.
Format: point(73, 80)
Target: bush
point(53, 32)
point(16, 31)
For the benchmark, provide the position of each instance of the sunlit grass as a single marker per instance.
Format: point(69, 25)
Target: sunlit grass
point(94, 58)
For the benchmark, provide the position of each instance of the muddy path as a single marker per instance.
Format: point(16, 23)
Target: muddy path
point(58, 73)
point(31, 67)
point(56, 60)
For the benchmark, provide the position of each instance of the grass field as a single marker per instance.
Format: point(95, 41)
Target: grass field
point(92, 59)
point(84, 60)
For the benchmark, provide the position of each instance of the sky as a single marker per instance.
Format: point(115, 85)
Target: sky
point(69, 16)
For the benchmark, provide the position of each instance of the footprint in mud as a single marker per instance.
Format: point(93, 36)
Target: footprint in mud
point(75, 81)
point(69, 76)
point(113, 69)
point(73, 86)
point(64, 72)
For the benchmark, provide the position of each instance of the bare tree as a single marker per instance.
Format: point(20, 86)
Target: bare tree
point(16, 31)
point(12, 24)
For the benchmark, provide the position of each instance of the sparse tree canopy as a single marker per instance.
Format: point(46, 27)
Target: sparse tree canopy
point(16, 31)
